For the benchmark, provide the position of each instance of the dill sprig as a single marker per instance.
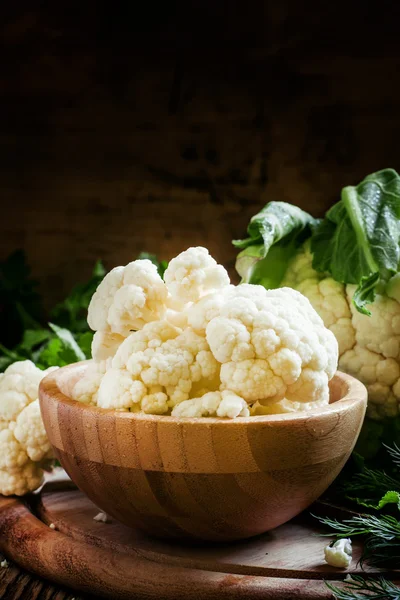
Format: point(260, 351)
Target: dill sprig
point(382, 537)
point(385, 527)
point(375, 490)
point(370, 481)
point(358, 588)
point(394, 453)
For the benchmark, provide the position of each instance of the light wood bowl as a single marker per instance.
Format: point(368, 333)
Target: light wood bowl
point(208, 478)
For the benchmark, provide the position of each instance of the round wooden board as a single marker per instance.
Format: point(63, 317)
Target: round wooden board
point(113, 561)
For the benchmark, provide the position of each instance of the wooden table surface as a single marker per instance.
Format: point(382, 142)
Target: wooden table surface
point(16, 584)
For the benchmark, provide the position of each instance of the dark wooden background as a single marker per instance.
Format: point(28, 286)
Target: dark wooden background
point(159, 125)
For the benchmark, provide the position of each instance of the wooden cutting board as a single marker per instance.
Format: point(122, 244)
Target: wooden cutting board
point(112, 561)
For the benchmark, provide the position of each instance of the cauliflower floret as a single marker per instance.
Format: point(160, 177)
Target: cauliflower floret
point(105, 345)
point(193, 274)
point(253, 380)
point(18, 388)
point(156, 369)
point(286, 406)
point(12, 454)
point(272, 345)
point(119, 390)
point(86, 388)
point(155, 403)
point(20, 482)
point(213, 404)
point(31, 434)
point(216, 347)
point(23, 441)
point(327, 296)
point(339, 554)
point(128, 298)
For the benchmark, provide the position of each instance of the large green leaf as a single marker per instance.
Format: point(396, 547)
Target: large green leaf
point(275, 235)
point(358, 240)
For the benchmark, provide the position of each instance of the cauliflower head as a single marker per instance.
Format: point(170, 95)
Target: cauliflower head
point(369, 346)
point(24, 447)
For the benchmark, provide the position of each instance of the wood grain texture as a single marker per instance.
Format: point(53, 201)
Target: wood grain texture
point(113, 561)
point(205, 478)
point(125, 132)
point(93, 569)
point(17, 584)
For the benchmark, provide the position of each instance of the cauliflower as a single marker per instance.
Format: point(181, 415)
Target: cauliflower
point(217, 350)
point(24, 447)
point(272, 344)
point(128, 298)
point(339, 554)
point(369, 346)
point(155, 369)
point(193, 274)
point(347, 264)
point(213, 404)
point(18, 388)
point(105, 345)
point(85, 389)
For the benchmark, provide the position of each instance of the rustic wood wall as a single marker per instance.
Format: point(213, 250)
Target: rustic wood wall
point(155, 126)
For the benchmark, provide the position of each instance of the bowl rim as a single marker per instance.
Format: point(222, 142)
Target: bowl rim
point(356, 393)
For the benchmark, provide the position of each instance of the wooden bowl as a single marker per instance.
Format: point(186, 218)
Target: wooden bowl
point(207, 478)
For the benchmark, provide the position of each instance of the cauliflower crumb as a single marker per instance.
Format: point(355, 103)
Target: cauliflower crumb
point(52, 526)
point(4, 564)
point(101, 517)
point(339, 554)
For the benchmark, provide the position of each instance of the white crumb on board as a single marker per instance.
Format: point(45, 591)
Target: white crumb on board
point(52, 526)
point(4, 564)
point(101, 517)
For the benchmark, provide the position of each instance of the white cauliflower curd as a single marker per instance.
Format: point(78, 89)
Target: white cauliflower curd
point(339, 554)
point(369, 346)
point(194, 345)
point(24, 447)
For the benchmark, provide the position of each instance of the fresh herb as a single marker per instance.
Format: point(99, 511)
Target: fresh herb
point(359, 588)
point(58, 343)
point(67, 337)
point(394, 453)
point(369, 487)
point(20, 305)
point(376, 491)
point(72, 312)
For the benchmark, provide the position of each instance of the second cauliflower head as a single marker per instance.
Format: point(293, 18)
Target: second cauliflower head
point(369, 346)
